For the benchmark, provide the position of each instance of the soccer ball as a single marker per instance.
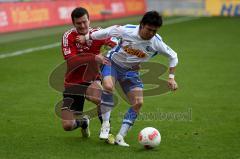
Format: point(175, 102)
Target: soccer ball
point(149, 137)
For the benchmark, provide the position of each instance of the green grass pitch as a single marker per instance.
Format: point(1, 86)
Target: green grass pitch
point(208, 78)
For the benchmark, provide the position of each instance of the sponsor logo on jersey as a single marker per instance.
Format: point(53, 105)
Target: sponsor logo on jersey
point(82, 48)
point(135, 52)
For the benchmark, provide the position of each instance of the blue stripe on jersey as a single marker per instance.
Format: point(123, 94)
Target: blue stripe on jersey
point(158, 37)
point(116, 50)
point(130, 26)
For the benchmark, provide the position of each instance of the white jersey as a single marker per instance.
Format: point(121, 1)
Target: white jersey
point(132, 49)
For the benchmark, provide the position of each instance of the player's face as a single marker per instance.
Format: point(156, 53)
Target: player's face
point(148, 31)
point(82, 24)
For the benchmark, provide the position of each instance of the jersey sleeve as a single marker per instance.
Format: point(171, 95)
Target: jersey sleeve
point(109, 41)
point(165, 50)
point(68, 46)
point(113, 31)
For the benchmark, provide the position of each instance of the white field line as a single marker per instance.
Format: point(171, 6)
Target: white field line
point(179, 20)
point(29, 50)
point(53, 45)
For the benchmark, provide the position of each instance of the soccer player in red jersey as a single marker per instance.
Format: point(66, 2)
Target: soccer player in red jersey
point(82, 78)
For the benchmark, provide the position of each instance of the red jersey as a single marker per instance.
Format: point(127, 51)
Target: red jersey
point(78, 55)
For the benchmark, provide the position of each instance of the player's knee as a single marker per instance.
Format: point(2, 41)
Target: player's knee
point(93, 94)
point(95, 100)
point(139, 103)
point(67, 125)
point(137, 106)
point(108, 87)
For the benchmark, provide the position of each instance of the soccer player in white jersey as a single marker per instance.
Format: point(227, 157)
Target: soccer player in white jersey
point(138, 43)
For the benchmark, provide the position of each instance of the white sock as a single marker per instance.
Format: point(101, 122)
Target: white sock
point(106, 112)
point(124, 129)
point(106, 116)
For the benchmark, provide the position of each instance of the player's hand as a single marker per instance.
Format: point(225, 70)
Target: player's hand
point(81, 39)
point(102, 59)
point(110, 42)
point(172, 84)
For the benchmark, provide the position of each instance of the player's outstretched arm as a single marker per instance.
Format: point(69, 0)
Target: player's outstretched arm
point(102, 59)
point(113, 31)
point(173, 61)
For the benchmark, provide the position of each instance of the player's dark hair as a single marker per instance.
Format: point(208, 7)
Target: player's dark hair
point(152, 18)
point(79, 12)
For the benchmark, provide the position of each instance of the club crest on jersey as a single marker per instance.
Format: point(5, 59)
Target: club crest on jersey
point(135, 52)
point(149, 49)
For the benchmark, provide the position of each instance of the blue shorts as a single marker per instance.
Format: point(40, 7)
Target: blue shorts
point(128, 79)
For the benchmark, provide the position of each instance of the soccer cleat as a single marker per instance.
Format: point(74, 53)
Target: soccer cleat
point(104, 131)
point(85, 126)
point(120, 141)
point(111, 139)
